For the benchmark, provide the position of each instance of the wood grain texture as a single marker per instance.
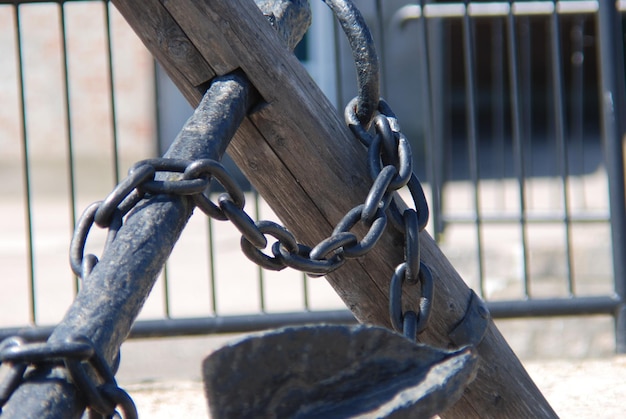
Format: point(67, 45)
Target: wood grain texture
point(298, 153)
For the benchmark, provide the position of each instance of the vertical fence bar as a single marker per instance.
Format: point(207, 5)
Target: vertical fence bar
point(159, 151)
point(338, 66)
point(518, 147)
point(526, 94)
point(211, 255)
point(576, 94)
point(112, 105)
point(25, 167)
point(260, 271)
point(561, 145)
point(166, 292)
point(472, 142)
point(432, 140)
point(611, 98)
point(305, 292)
point(68, 125)
point(497, 97)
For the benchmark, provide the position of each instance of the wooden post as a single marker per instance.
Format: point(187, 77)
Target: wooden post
point(298, 153)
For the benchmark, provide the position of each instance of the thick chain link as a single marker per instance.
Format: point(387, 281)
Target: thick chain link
point(78, 356)
point(390, 166)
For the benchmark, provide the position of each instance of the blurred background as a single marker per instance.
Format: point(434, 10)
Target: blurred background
point(502, 103)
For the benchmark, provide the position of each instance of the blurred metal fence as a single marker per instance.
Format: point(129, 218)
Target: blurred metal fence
point(516, 114)
point(532, 92)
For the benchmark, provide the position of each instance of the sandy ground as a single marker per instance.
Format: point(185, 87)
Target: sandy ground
point(584, 388)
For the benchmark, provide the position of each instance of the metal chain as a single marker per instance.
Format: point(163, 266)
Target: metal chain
point(78, 356)
point(390, 166)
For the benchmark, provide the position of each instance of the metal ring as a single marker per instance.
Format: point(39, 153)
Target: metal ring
point(405, 164)
point(277, 231)
point(401, 159)
point(176, 187)
point(364, 55)
point(411, 246)
point(179, 186)
point(301, 260)
point(395, 297)
point(13, 377)
point(136, 177)
point(218, 172)
point(409, 325)
point(385, 109)
point(336, 242)
point(161, 164)
point(84, 383)
point(130, 201)
point(33, 353)
point(88, 389)
point(425, 300)
point(242, 221)
point(89, 262)
point(373, 157)
point(121, 399)
point(421, 206)
point(377, 193)
point(79, 239)
point(383, 129)
point(354, 124)
point(374, 233)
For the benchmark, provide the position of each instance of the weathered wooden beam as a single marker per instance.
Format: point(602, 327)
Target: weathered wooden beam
point(298, 153)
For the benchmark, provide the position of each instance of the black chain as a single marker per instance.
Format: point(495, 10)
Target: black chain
point(82, 362)
point(390, 166)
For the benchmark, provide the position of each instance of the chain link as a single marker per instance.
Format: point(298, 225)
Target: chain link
point(78, 356)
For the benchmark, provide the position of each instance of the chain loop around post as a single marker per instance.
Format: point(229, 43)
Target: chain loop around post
point(75, 354)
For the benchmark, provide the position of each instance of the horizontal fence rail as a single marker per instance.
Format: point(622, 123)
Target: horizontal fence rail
point(487, 195)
